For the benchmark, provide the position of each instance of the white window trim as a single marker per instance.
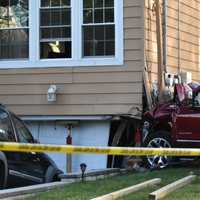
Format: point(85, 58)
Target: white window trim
point(77, 60)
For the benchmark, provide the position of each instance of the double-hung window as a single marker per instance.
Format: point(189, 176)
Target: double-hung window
point(60, 33)
point(55, 29)
point(98, 28)
point(14, 29)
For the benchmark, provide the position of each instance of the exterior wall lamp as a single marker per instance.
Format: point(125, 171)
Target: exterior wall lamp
point(52, 93)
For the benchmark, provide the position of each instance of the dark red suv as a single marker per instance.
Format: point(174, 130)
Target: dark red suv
point(173, 124)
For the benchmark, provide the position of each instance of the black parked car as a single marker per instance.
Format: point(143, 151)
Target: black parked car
point(31, 167)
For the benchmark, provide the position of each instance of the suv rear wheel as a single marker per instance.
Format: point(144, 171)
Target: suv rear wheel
point(160, 139)
point(51, 175)
point(3, 175)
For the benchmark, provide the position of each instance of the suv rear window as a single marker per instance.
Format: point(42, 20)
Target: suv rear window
point(6, 129)
point(23, 133)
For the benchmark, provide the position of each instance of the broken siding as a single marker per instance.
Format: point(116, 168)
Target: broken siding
point(150, 40)
point(83, 90)
point(182, 37)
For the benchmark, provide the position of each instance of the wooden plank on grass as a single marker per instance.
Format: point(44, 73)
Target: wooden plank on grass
point(126, 191)
point(163, 192)
point(14, 192)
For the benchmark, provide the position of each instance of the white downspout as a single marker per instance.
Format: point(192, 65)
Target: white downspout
point(165, 13)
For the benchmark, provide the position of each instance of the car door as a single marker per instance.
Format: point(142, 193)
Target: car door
point(187, 126)
point(30, 163)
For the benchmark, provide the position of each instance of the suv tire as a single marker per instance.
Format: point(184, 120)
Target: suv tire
point(51, 175)
point(159, 139)
point(3, 171)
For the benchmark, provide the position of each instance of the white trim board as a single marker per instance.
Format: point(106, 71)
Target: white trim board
point(61, 118)
point(77, 60)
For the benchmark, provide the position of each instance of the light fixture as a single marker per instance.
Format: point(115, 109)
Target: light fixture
point(83, 167)
point(51, 94)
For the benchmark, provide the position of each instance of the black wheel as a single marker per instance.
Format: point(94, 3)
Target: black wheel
point(160, 139)
point(3, 174)
point(51, 175)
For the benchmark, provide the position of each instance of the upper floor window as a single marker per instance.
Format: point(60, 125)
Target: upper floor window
point(98, 28)
point(14, 31)
point(55, 29)
point(51, 33)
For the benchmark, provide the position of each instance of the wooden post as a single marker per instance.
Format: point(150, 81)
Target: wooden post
point(147, 89)
point(69, 163)
point(69, 156)
point(159, 47)
point(117, 137)
point(163, 192)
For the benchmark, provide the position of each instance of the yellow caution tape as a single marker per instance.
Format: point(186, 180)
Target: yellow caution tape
point(69, 149)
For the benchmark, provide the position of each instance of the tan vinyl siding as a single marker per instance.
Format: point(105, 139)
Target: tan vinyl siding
point(91, 90)
point(183, 37)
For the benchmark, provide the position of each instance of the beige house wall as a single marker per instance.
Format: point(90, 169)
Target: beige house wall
point(183, 37)
point(101, 90)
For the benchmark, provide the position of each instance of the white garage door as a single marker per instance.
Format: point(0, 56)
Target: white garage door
point(86, 133)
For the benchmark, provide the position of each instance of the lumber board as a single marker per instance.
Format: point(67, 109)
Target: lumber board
point(164, 191)
point(14, 192)
point(126, 191)
point(147, 89)
point(117, 137)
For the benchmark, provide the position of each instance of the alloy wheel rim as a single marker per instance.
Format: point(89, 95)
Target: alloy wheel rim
point(157, 161)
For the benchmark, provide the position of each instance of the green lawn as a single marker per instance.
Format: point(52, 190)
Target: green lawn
point(86, 191)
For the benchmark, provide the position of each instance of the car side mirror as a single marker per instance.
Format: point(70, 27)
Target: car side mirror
point(196, 100)
point(190, 94)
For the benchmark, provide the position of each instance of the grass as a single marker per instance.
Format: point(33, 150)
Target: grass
point(89, 190)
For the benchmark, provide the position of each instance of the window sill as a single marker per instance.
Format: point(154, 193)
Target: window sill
point(49, 63)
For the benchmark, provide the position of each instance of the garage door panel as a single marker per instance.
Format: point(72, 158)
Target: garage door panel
point(86, 133)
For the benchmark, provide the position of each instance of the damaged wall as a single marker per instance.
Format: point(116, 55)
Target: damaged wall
point(183, 38)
